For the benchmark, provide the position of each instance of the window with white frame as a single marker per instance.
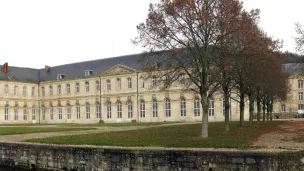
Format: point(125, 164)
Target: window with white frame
point(77, 88)
point(129, 82)
point(119, 110)
point(118, 84)
point(59, 89)
point(77, 111)
point(155, 109)
point(109, 110)
point(6, 112)
point(24, 113)
point(300, 106)
point(108, 84)
point(33, 91)
point(283, 108)
point(130, 109)
point(51, 113)
point(6, 89)
point(60, 112)
point(68, 110)
point(88, 111)
point(87, 86)
point(43, 112)
point(183, 107)
point(33, 113)
point(97, 84)
point(300, 95)
point(98, 114)
point(88, 73)
point(142, 82)
point(68, 88)
point(51, 90)
point(16, 113)
point(300, 83)
point(168, 108)
point(154, 82)
point(16, 90)
point(211, 107)
point(142, 109)
point(42, 91)
point(24, 91)
point(197, 107)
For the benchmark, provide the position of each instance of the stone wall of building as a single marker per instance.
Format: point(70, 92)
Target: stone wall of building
point(97, 159)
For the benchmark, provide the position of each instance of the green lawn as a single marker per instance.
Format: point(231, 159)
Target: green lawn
point(26, 130)
point(171, 136)
point(117, 124)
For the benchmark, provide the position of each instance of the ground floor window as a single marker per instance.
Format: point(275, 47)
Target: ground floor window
point(51, 113)
point(68, 108)
point(168, 108)
point(283, 108)
point(77, 111)
point(109, 111)
point(183, 107)
point(60, 112)
point(197, 110)
point(88, 112)
point(98, 111)
point(16, 113)
point(301, 106)
point(155, 109)
point(43, 112)
point(33, 113)
point(142, 109)
point(6, 113)
point(211, 107)
point(130, 110)
point(24, 113)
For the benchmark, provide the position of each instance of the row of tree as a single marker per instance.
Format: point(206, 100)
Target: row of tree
point(216, 46)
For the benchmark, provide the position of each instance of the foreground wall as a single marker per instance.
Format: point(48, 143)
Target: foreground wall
point(95, 159)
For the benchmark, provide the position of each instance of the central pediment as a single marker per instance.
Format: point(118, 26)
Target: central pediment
point(119, 70)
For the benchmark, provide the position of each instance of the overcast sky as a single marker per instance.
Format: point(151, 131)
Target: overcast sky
point(34, 33)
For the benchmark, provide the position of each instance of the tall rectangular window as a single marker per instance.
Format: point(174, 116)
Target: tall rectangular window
point(42, 91)
point(77, 88)
point(33, 113)
point(6, 89)
point(109, 112)
point(77, 111)
point(43, 112)
point(300, 106)
point(24, 91)
point(168, 108)
point(51, 113)
point(97, 86)
point(300, 95)
point(60, 112)
point(87, 86)
point(211, 107)
point(59, 89)
point(98, 114)
point(142, 109)
point(129, 83)
point(6, 113)
point(68, 108)
point(130, 110)
point(68, 88)
point(16, 113)
point(15, 90)
point(154, 81)
point(300, 83)
point(33, 91)
point(24, 113)
point(283, 108)
point(183, 107)
point(88, 113)
point(197, 110)
point(118, 82)
point(51, 90)
point(108, 85)
point(119, 111)
point(155, 109)
point(142, 82)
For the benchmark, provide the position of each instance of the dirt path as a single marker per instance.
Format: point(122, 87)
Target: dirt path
point(282, 137)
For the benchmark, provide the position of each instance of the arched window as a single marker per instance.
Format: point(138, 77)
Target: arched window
point(42, 91)
point(16, 113)
point(24, 113)
point(197, 110)
point(88, 113)
point(68, 108)
point(59, 89)
point(60, 112)
point(43, 112)
point(118, 84)
point(119, 110)
point(77, 88)
point(97, 85)
point(183, 107)
point(211, 107)
point(142, 82)
point(6, 89)
point(142, 109)
point(6, 112)
point(155, 108)
point(168, 108)
point(68, 88)
point(108, 84)
point(16, 90)
point(130, 109)
point(24, 91)
point(33, 113)
point(109, 110)
point(77, 111)
point(129, 83)
point(51, 90)
point(51, 112)
point(87, 86)
point(98, 116)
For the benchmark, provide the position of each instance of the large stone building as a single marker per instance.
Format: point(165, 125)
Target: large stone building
point(108, 90)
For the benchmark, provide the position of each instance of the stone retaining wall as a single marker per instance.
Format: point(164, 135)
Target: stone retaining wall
point(35, 157)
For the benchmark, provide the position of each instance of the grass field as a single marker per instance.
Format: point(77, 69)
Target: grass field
point(26, 130)
point(171, 136)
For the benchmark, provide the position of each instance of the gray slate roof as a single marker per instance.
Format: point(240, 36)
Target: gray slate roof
point(71, 71)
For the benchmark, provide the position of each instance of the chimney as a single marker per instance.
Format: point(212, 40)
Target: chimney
point(47, 68)
point(5, 68)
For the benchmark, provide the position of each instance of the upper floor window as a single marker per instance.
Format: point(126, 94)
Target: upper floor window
point(300, 95)
point(16, 90)
point(118, 84)
point(59, 89)
point(300, 106)
point(88, 73)
point(97, 85)
point(142, 82)
point(77, 88)
point(24, 91)
point(60, 76)
point(87, 86)
point(33, 91)
point(42, 91)
point(6, 89)
point(108, 84)
point(51, 90)
point(68, 88)
point(129, 83)
point(154, 81)
point(300, 83)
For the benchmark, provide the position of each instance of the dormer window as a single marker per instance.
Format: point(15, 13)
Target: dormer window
point(60, 76)
point(88, 73)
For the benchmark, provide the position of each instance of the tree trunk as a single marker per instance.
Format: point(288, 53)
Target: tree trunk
point(258, 109)
point(251, 109)
point(242, 108)
point(227, 109)
point(268, 112)
point(204, 102)
point(264, 112)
